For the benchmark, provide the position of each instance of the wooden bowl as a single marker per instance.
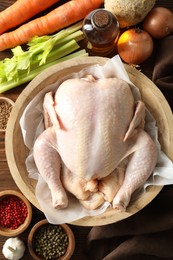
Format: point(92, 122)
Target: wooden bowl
point(65, 228)
point(15, 232)
point(151, 95)
point(4, 117)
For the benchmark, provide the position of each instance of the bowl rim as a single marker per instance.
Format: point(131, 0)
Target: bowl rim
point(9, 101)
point(66, 228)
point(9, 232)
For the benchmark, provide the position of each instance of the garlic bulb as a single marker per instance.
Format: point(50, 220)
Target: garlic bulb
point(13, 249)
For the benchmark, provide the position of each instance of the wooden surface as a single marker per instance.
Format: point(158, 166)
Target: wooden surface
point(6, 180)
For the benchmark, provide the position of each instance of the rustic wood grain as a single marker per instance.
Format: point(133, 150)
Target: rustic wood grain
point(6, 180)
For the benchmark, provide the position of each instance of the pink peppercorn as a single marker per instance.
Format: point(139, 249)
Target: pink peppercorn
point(13, 212)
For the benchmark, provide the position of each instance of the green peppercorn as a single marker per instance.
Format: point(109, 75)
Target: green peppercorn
point(50, 242)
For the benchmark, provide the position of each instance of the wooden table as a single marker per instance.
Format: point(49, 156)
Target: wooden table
point(6, 180)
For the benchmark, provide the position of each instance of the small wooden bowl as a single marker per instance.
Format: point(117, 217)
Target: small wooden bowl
point(7, 100)
point(66, 228)
point(15, 232)
point(4, 100)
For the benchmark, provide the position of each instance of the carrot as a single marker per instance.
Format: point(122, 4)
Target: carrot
point(21, 11)
point(61, 17)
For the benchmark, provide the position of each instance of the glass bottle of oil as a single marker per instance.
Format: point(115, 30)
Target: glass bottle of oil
point(101, 30)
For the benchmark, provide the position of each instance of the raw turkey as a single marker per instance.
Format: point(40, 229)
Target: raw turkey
point(94, 145)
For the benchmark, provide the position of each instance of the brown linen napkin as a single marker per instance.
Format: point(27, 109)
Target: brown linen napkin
point(163, 68)
point(147, 235)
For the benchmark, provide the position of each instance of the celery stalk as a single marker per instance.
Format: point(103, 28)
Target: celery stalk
point(81, 53)
point(78, 35)
point(33, 73)
point(71, 29)
point(61, 51)
point(42, 53)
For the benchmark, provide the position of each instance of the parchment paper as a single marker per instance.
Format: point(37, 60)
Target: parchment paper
point(32, 125)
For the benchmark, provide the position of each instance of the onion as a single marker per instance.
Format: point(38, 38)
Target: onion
point(159, 22)
point(135, 46)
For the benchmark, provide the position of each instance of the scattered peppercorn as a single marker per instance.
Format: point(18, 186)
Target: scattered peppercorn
point(50, 242)
point(13, 212)
point(5, 110)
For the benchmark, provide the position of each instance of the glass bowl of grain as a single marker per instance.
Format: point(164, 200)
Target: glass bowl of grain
point(49, 241)
point(6, 106)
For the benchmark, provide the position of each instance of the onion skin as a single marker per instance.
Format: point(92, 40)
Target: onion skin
point(135, 46)
point(159, 22)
